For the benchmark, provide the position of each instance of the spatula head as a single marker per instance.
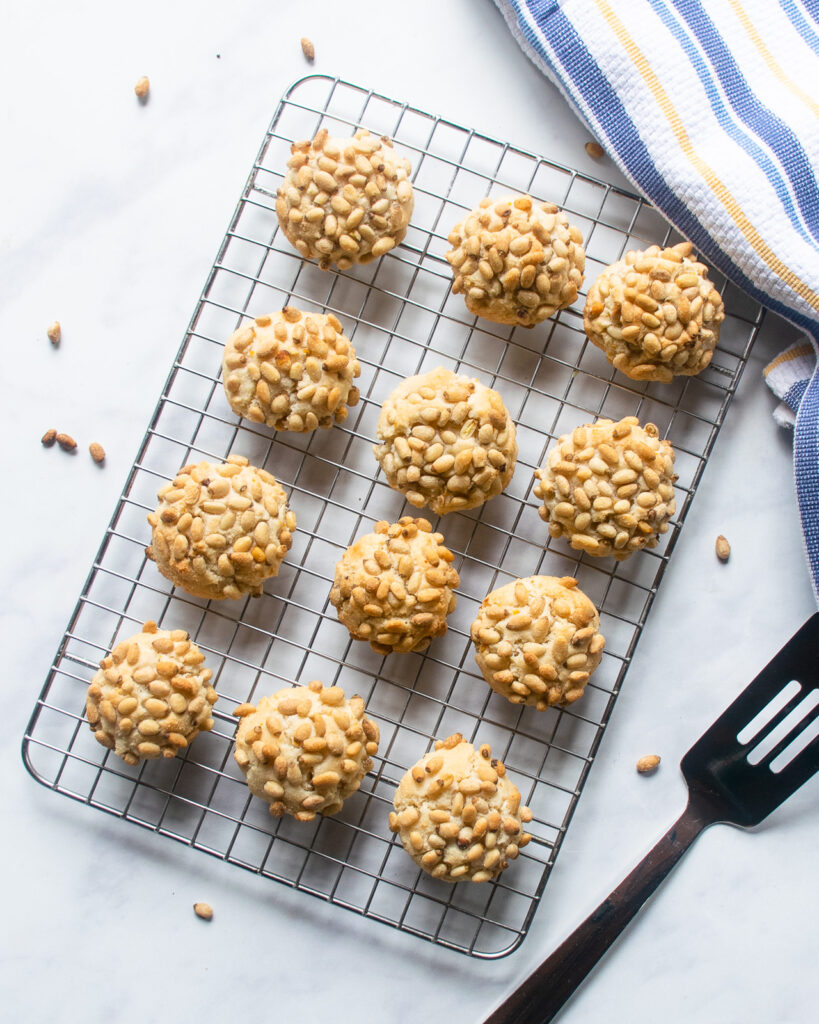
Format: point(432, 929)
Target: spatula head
point(717, 768)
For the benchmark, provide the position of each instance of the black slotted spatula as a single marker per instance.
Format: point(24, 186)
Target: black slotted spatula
point(723, 786)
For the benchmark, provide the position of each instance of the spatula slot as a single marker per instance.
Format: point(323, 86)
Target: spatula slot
point(778, 736)
point(757, 724)
point(796, 746)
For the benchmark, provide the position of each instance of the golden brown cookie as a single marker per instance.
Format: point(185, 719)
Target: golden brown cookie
point(537, 641)
point(458, 815)
point(151, 696)
point(447, 441)
point(608, 488)
point(291, 370)
point(516, 260)
point(394, 587)
point(221, 530)
point(345, 201)
point(655, 314)
point(305, 749)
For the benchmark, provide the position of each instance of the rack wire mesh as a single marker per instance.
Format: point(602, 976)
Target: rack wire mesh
point(402, 319)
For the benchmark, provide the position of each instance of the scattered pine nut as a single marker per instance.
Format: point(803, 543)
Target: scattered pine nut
point(723, 549)
point(203, 910)
point(595, 150)
point(142, 88)
point(97, 452)
point(308, 49)
point(49, 437)
point(66, 442)
point(648, 764)
point(55, 333)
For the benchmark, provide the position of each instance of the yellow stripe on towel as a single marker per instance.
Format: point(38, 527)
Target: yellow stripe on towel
point(717, 187)
point(767, 56)
point(788, 355)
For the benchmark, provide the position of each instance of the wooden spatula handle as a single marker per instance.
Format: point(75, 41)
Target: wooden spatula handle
point(543, 993)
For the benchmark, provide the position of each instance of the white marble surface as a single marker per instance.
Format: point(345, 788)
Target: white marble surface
point(111, 216)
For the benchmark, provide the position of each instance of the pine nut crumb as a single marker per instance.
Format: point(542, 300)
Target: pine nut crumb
point(97, 452)
point(49, 437)
point(723, 549)
point(308, 49)
point(54, 333)
point(203, 910)
point(648, 764)
point(595, 150)
point(66, 442)
point(142, 88)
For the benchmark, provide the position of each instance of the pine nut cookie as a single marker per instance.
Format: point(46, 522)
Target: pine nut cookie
point(394, 587)
point(345, 201)
point(457, 813)
point(305, 749)
point(221, 530)
point(608, 488)
point(655, 314)
point(151, 697)
point(447, 441)
point(537, 641)
point(291, 370)
point(516, 260)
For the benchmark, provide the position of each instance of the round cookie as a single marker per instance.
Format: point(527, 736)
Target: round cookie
point(516, 260)
point(537, 641)
point(458, 815)
point(305, 749)
point(608, 488)
point(151, 696)
point(291, 370)
point(447, 441)
point(655, 314)
point(221, 530)
point(394, 587)
point(345, 201)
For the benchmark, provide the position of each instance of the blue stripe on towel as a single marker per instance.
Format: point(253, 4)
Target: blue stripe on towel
point(811, 8)
point(771, 129)
point(806, 471)
point(799, 23)
point(795, 393)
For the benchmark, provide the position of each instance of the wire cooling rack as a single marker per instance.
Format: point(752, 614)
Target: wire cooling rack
point(402, 320)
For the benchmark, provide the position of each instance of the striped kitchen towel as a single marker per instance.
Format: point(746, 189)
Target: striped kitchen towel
point(712, 110)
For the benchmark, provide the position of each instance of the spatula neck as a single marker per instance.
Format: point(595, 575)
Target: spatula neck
point(540, 997)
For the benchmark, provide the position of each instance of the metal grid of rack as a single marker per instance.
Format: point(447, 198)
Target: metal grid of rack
point(402, 319)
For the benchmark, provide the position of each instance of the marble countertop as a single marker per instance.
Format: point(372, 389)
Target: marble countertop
point(112, 214)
